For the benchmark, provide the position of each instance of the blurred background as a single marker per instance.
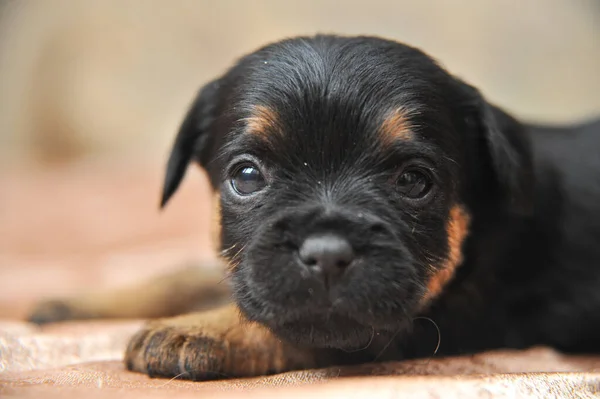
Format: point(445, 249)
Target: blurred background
point(92, 92)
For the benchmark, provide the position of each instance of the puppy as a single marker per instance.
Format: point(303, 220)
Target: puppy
point(371, 206)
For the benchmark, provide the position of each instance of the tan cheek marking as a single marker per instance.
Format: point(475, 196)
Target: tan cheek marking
point(457, 230)
point(262, 121)
point(227, 255)
point(215, 231)
point(396, 126)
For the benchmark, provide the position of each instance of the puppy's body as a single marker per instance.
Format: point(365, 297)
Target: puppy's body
point(533, 280)
point(556, 253)
point(372, 206)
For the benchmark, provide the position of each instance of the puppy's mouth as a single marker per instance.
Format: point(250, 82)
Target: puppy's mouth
point(328, 325)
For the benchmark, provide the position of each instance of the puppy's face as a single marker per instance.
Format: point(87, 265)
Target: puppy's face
point(346, 169)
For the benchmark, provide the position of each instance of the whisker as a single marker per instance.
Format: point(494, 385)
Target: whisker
point(227, 250)
point(225, 278)
point(173, 379)
point(238, 252)
point(438, 332)
point(387, 345)
point(451, 160)
point(369, 344)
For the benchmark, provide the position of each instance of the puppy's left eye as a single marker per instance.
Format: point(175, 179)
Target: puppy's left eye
point(247, 179)
point(414, 184)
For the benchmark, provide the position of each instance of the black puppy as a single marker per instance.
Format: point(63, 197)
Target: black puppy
point(364, 193)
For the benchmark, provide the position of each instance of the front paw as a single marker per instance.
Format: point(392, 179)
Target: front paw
point(167, 351)
point(204, 348)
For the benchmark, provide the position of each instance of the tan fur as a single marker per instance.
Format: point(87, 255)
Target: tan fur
point(262, 122)
point(224, 253)
point(457, 230)
point(216, 222)
point(396, 127)
point(218, 342)
point(186, 289)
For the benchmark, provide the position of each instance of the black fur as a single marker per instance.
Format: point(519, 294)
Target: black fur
point(531, 268)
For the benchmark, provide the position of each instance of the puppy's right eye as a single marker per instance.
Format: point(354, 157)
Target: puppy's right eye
point(414, 184)
point(247, 179)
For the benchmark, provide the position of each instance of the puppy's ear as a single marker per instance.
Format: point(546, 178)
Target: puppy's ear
point(193, 140)
point(505, 147)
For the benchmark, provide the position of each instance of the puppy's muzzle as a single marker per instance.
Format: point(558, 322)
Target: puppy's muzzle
point(328, 241)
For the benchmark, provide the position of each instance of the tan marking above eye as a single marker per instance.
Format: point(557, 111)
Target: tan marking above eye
point(396, 126)
point(262, 121)
point(457, 230)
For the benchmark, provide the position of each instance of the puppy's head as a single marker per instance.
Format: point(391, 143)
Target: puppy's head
point(348, 171)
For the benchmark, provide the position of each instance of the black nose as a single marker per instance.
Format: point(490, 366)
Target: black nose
point(329, 255)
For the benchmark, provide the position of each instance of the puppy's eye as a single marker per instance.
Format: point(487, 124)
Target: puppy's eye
point(247, 179)
point(414, 184)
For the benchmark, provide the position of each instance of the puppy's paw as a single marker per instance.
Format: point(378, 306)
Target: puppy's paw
point(170, 351)
point(53, 311)
point(210, 345)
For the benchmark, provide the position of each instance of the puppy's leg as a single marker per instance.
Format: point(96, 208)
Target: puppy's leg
point(211, 345)
point(187, 289)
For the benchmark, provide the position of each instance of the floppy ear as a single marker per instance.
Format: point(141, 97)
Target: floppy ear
point(193, 140)
point(506, 149)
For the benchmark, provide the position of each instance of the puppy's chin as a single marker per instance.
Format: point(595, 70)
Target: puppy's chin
point(333, 332)
point(313, 326)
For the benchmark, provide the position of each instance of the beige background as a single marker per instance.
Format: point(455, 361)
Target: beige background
point(112, 78)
